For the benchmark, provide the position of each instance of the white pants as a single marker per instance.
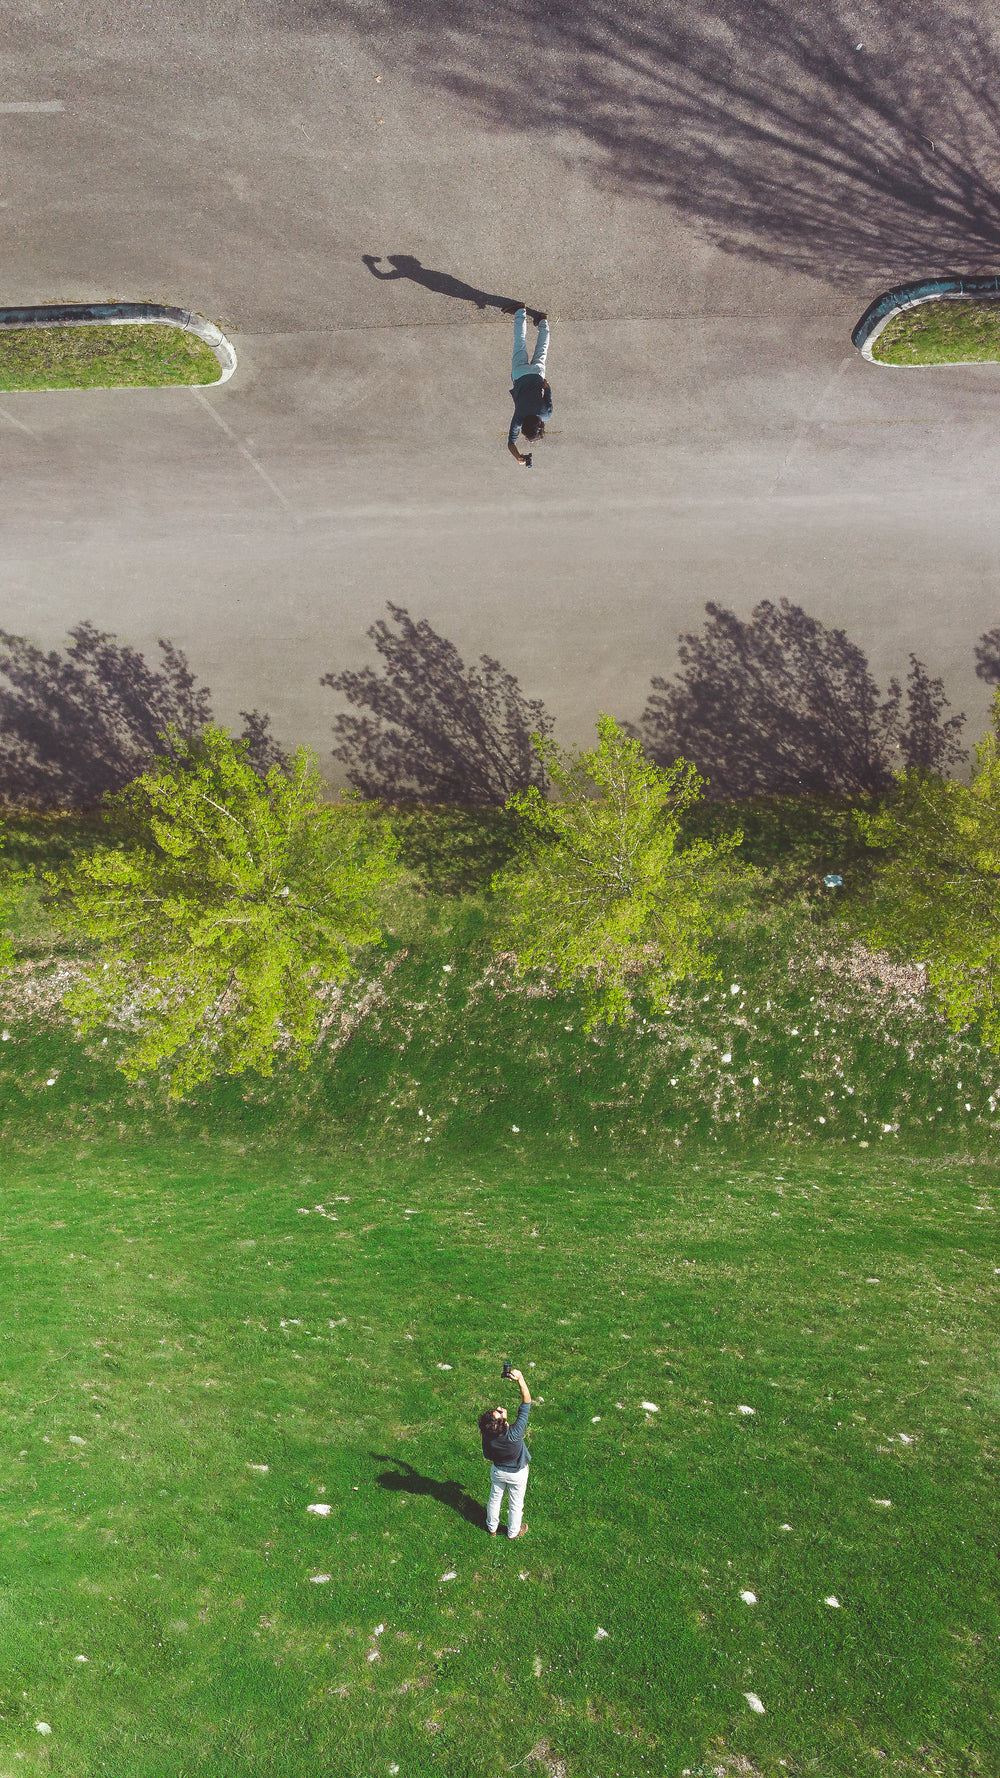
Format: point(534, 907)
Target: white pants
point(521, 364)
point(516, 1480)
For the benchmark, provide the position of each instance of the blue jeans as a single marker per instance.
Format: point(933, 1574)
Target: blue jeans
point(521, 364)
point(516, 1480)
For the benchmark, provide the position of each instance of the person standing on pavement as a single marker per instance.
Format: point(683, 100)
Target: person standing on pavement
point(531, 393)
point(509, 1458)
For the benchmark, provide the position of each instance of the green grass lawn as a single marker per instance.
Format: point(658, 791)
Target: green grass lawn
point(947, 332)
point(126, 355)
point(199, 1345)
point(781, 1197)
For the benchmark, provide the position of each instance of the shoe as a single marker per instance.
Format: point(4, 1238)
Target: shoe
point(492, 1533)
point(522, 1533)
point(511, 308)
point(539, 317)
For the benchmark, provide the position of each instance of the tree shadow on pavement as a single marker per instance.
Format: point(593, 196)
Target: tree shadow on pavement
point(405, 266)
point(838, 140)
point(407, 1480)
point(79, 725)
point(438, 732)
point(782, 706)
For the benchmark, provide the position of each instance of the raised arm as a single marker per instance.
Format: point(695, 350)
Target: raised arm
point(516, 1377)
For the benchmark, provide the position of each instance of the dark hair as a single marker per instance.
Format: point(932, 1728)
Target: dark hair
point(486, 1422)
point(533, 426)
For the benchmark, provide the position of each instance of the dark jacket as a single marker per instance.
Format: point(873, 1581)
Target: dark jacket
point(508, 1450)
point(530, 397)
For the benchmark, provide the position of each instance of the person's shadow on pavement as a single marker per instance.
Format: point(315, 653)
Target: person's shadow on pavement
point(450, 1494)
point(405, 266)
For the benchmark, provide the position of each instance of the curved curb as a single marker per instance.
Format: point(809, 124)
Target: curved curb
point(908, 296)
point(128, 314)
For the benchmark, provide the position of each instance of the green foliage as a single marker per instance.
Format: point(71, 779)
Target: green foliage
point(12, 885)
point(226, 905)
point(601, 897)
point(939, 896)
point(797, 840)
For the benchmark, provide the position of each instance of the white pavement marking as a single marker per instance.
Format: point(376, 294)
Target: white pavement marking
point(251, 459)
point(18, 423)
point(24, 105)
point(807, 425)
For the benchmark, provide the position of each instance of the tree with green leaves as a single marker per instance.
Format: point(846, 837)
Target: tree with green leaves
point(938, 898)
point(221, 906)
point(601, 897)
point(12, 885)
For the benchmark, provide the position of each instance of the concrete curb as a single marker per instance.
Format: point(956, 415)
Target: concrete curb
point(908, 296)
point(128, 314)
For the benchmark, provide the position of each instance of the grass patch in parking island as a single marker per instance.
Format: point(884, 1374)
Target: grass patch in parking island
point(125, 355)
point(944, 332)
point(763, 1451)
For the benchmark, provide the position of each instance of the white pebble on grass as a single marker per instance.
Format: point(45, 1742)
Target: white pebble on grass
point(879, 1502)
point(599, 1634)
point(754, 1702)
point(451, 1575)
point(748, 1597)
point(378, 1629)
point(74, 1439)
point(904, 1438)
point(444, 1367)
point(321, 1509)
point(650, 1407)
point(261, 1468)
point(745, 1410)
point(319, 1579)
point(43, 1728)
point(6, 1037)
point(784, 1527)
point(81, 1658)
point(516, 1129)
point(51, 1083)
point(728, 1056)
point(595, 1419)
point(831, 1599)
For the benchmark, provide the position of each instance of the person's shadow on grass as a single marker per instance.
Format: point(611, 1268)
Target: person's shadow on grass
point(405, 266)
point(407, 1480)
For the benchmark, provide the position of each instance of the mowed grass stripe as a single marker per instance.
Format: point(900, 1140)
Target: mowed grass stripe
point(103, 357)
point(848, 1300)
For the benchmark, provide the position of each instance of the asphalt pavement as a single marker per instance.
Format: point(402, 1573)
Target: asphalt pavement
point(703, 215)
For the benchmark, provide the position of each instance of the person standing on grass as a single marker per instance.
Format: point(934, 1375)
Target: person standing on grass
point(509, 1458)
point(531, 393)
